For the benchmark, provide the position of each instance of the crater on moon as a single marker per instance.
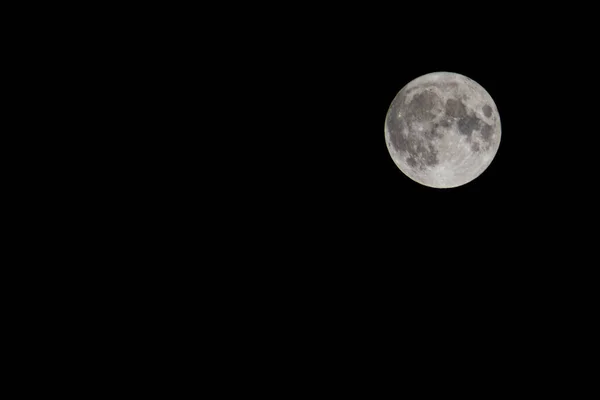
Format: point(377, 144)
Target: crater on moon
point(487, 111)
point(436, 133)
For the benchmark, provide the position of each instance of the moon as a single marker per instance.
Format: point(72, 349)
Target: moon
point(442, 130)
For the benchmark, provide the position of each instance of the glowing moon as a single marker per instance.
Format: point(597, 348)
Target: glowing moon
point(442, 130)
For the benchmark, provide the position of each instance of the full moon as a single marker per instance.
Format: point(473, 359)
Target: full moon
point(442, 130)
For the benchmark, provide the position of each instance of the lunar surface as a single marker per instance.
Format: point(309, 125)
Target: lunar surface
point(442, 130)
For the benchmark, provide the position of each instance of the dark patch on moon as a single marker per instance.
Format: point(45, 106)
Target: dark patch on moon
point(445, 123)
point(424, 100)
point(455, 108)
point(487, 111)
point(468, 124)
point(486, 132)
point(475, 147)
point(433, 133)
point(428, 154)
point(419, 153)
point(421, 105)
point(399, 141)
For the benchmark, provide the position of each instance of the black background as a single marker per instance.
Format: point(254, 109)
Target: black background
point(239, 168)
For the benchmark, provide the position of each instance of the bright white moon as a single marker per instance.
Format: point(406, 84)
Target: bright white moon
point(442, 130)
